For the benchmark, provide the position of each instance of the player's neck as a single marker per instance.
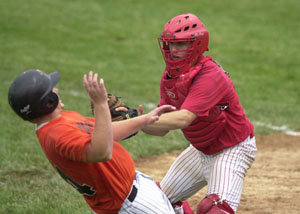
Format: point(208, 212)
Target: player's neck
point(47, 118)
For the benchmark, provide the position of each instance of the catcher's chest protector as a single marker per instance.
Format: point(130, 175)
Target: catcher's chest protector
point(203, 131)
point(178, 88)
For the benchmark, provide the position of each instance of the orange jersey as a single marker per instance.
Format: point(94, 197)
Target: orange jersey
point(105, 185)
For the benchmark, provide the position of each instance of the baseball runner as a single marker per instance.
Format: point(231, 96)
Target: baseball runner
point(210, 116)
point(84, 150)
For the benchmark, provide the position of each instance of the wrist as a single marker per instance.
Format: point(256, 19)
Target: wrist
point(100, 104)
point(141, 121)
point(100, 107)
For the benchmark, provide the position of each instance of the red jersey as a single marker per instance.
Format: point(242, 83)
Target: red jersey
point(209, 93)
point(104, 185)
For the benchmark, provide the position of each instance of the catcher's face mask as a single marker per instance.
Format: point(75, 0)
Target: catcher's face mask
point(186, 33)
point(179, 50)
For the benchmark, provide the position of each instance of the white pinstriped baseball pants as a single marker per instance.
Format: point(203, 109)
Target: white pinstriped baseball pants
point(223, 172)
point(149, 199)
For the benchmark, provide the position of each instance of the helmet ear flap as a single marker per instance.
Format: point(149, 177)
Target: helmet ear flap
point(49, 103)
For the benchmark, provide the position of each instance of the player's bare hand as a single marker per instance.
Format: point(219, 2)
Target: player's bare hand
point(141, 109)
point(154, 114)
point(95, 89)
point(121, 109)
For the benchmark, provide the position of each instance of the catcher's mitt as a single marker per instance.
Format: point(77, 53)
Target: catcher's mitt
point(114, 102)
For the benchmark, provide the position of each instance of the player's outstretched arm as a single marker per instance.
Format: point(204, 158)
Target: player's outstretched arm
point(100, 148)
point(170, 121)
point(125, 128)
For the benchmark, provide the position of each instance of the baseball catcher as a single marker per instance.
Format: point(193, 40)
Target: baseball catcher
point(210, 115)
point(119, 110)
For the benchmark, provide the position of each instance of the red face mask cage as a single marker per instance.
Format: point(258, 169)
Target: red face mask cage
point(178, 62)
point(183, 28)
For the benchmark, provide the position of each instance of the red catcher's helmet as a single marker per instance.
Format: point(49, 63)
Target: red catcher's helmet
point(183, 28)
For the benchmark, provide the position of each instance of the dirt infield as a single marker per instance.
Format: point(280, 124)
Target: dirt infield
point(272, 185)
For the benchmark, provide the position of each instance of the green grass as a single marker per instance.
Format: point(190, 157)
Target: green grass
point(256, 41)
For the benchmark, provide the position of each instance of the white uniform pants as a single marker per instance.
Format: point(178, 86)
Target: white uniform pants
point(223, 172)
point(149, 199)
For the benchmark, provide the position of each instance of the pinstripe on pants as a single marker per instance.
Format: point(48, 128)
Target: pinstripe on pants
point(224, 172)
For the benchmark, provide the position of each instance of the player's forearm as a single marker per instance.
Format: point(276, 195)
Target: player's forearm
point(100, 148)
point(170, 121)
point(125, 128)
point(161, 127)
point(156, 131)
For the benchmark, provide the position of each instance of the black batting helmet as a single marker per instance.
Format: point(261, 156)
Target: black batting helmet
point(31, 96)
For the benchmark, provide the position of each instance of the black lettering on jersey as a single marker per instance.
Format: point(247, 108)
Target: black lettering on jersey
point(83, 189)
point(85, 126)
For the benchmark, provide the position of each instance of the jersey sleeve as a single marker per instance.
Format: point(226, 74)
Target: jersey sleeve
point(205, 93)
point(71, 142)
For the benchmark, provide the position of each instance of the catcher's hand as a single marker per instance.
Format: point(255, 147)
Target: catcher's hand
point(118, 109)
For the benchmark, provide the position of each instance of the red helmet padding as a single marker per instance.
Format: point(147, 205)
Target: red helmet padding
point(212, 204)
point(183, 28)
